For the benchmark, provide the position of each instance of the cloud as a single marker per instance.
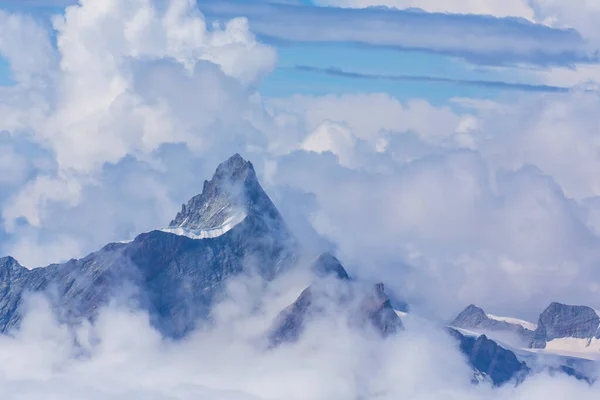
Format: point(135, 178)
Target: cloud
point(416, 78)
point(119, 356)
point(161, 76)
point(579, 15)
point(329, 137)
point(96, 74)
point(549, 132)
point(483, 39)
point(113, 149)
point(13, 167)
point(16, 32)
point(449, 206)
point(497, 8)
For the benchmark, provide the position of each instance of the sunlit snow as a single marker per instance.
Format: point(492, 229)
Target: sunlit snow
point(525, 324)
point(227, 225)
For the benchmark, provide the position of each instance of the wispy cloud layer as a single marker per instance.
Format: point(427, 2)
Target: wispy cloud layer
point(120, 357)
point(480, 39)
point(416, 78)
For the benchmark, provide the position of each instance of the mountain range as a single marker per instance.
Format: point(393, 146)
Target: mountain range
point(178, 273)
point(565, 337)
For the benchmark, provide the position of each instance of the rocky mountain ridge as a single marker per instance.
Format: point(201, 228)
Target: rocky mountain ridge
point(178, 273)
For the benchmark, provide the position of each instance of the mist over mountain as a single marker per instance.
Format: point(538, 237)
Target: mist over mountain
point(178, 276)
point(305, 200)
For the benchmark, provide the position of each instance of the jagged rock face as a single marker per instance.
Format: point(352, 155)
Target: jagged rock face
point(472, 316)
point(475, 319)
point(327, 265)
point(376, 308)
point(175, 278)
point(232, 195)
point(221, 197)
point(13, 279)
point(76, 287)
point(290, 323)
point(361, 308)
point(491, 360)
point(564, 321)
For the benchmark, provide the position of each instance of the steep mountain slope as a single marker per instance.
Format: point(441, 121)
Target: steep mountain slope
point(176, 274)
point(491, 360)
point(563, 341)
point(335, 293)
point(179, 272)
point(568, 330)
point(475, 319)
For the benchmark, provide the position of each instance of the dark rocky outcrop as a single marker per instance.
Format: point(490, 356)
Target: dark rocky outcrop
point(174, 277)
point(489, 359)
point(475, 319)
point(359, 305)
point(565, 321)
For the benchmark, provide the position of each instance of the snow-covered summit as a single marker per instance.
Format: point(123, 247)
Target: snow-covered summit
point(474, 319)
point(223, 201)
point(514, 321)
point(226, 200)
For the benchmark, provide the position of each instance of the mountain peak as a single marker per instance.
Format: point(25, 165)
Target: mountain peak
point(9, 262)
point(235, 168)
point(471, 316)
point(223, 201)
point(560, 321)
point(232, 195)
point(474, 319)
point(472, 311)
point(327, 265)
point(9, 267)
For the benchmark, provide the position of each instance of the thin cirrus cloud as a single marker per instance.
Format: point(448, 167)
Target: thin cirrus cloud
point(483, 38)
point(434, 79)
point(497, 8)
point(37, 3)
point(476, 38)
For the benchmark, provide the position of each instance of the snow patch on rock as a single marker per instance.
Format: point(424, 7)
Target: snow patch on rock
point(525, 324)
point(196, 234)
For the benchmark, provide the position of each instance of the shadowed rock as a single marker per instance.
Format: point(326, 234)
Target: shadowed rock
point(564, 321)
point(487, 358)
point(361, 308)
point(327, 265)
point(174, 277)
point(475, 319)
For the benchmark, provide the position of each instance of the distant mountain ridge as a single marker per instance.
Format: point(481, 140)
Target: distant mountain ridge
point(474, 318)
point(175, 277)
point(178, 273)
point(489, 359)
point(559, 321)
point(568, 334)
point(334, 289)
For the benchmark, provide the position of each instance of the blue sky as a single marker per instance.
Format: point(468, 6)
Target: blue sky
point(453, 72)
point(371, 48)
point(288, 79)
point(441, 111)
